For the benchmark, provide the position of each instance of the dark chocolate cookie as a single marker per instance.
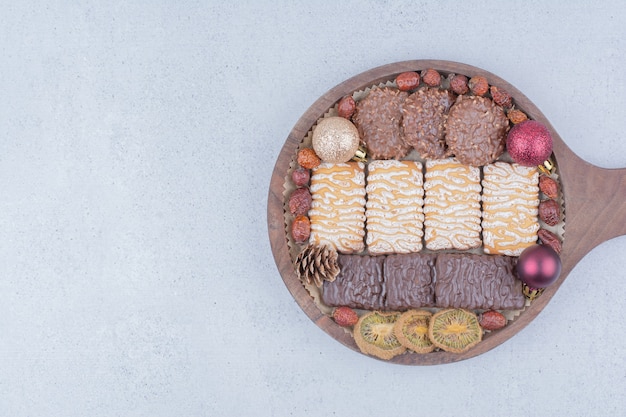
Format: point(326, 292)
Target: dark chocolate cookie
point(476, 130)
point(378, 118)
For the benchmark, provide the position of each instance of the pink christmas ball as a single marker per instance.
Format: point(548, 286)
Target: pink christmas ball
point(538, 266)
point(529, 143)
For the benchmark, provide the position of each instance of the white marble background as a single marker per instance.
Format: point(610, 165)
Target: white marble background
point(137, 140)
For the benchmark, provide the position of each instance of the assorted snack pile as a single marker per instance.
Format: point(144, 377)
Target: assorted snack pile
point(423, 211)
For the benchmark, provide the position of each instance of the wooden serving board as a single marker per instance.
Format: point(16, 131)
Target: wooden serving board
point(594, 202)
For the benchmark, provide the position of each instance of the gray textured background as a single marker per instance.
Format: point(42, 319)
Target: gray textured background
point(137, 144)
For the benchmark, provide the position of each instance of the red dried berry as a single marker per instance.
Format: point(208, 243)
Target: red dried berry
point(346, 107)
point(500, 96)
point(301, 229)
point(550, 239)
point(478, 85)
point(458, 84)
point(550, 212)
point(492, 320)
point(408, 80)
point(345, 316)
point(307, 158)
point(301, 177)
point(516, 116)
point(548, 187)
point(300, 201)
point(431, 77)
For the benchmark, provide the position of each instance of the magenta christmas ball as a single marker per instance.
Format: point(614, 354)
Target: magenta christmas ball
point(529, 143)
point(538, 266)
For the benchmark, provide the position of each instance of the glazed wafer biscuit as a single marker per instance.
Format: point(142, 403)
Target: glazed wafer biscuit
point(451, 205)
point(510, 208)
point(337, 211)
point(394, 216)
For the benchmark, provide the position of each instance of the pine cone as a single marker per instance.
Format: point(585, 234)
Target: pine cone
point(315, 264)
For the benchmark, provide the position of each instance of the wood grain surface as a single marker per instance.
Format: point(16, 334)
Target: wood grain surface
point(594, 201)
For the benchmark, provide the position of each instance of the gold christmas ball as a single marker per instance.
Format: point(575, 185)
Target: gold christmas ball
point(335, 139)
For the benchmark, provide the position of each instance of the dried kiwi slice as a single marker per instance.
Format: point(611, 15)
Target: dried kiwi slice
point(454, 330)
point(373, 334)
point(411, 330)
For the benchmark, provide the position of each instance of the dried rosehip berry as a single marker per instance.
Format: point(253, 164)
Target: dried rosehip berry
point(300, 177)
point(408, 80)
point(550, 239)
point(431, 77)
point(458, 84)
point(550, 212)
point(301, 229)
point(300, 201)
point(516, 116)
point(346, 107)
point(345, 316)
point(500, 96)
point(492, 320)
point(548, 187)
point(478, 85)
point(307, 158)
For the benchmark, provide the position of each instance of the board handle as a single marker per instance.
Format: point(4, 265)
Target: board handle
point(595, 206)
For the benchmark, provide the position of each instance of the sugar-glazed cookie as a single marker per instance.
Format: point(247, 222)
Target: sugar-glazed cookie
point(337, 211)
point(451, 205)
point(510, 208)
point(394, 207)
